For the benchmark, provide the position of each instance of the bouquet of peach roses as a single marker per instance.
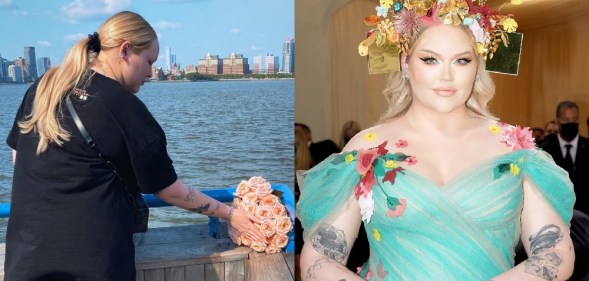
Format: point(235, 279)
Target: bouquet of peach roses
point(256, 197)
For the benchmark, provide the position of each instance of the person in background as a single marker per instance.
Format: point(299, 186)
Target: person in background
point(444, 190)
point(349, 130)
point(71, 218)
point(538, 135)
point(571, 151)
point(303, 162)
point(551, 129)
point(319, 150)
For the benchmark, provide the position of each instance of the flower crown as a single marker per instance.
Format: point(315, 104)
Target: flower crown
point(399, 22)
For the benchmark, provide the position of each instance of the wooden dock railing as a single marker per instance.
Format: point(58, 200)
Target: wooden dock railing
point(202, 251)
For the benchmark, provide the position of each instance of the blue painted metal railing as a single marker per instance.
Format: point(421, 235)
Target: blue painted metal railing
point(223, 195)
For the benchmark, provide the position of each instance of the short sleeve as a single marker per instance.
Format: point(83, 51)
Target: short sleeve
point(14, 133)
point(552, 181)
point(325, 190)
point(153, 168)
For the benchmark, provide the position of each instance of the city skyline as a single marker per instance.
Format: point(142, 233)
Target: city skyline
point(191, 28)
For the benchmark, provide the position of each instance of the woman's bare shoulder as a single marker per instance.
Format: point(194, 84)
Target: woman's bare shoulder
point(372, 137)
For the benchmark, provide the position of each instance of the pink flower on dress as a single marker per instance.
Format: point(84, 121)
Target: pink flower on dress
point(518, 138)
point(365, 159)
point(398, 210)
point(401, 143)
point(411, 160)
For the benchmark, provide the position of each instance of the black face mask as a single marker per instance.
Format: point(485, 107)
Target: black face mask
point(569, 131)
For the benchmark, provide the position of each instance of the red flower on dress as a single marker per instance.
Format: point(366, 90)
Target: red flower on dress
point(365, 159)
point(517, 137)
point(365, 184)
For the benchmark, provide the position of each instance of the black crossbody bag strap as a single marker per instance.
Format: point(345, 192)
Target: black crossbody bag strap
point(140, 208)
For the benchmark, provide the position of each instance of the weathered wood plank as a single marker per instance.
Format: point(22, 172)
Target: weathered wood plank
point(175, 273)
point(184, 245)
point(158, 274)
point(215, 272)
point(139, 276)
point(195, 272)
point(268, 267)
point(290, 262)
point(235, 271)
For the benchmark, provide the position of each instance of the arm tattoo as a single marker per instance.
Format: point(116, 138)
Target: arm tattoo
point(544, 262)
point(318, 266)
point(331, 242)
point(202, 208)
point(190, 196)
point(547, 237)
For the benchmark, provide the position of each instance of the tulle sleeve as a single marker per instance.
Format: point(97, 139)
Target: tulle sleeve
point(325, 190)
point(552, 181)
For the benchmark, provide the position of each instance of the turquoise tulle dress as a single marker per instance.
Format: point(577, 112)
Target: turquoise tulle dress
point(464, 230)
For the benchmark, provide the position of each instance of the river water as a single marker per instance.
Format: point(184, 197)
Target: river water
point(218, 132)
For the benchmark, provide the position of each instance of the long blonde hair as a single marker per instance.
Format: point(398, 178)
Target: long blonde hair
point(399, 96)
point(303, 158)
point(59, 81)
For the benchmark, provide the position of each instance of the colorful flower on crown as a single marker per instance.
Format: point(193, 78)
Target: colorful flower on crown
point(517, 137)
point(399, 22)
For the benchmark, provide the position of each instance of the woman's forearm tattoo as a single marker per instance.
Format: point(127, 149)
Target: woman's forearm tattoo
point(331, 242)
point(543, 261)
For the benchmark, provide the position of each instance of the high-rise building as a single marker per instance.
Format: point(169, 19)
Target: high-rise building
point(30, 68)
point(21, 64)
point(211, 64)
point(43, 64)
point(2, 73)
point(272, 64)
point(257, 65)
point(288, 55)
point(168, 58)
point(15, 73)
point(235, 64)
point(4, 63)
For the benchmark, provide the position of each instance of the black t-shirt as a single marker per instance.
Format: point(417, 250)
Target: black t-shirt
point(70, 215)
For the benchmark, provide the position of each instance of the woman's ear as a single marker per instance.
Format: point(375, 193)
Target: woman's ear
point(124, 49)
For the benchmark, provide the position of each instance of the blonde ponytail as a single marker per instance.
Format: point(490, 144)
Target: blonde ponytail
point(59, 81)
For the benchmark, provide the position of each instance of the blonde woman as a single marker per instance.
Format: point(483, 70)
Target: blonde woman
point(71, 217)
point(349, 130)
point(443, 189)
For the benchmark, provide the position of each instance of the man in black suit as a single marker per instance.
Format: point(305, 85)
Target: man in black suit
point(571, 151)
point(319, 150)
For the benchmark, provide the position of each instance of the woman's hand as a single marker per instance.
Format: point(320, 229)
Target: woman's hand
point(243, 222)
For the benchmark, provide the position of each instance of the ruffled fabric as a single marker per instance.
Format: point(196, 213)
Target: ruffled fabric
point(464, 230)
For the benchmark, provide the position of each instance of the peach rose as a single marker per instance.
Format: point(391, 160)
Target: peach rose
point(263, 212)
point(279, 210)
point(268, 227)
point(269, 200)
point(279, 241)
point(238, 203)
point(245, 240)
point(283, 225)
point(271, 249)
point(257, 246)
point(250, 198)
point(250, 208)
point(242, 189)
point(263, 189)
point(256, 180)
